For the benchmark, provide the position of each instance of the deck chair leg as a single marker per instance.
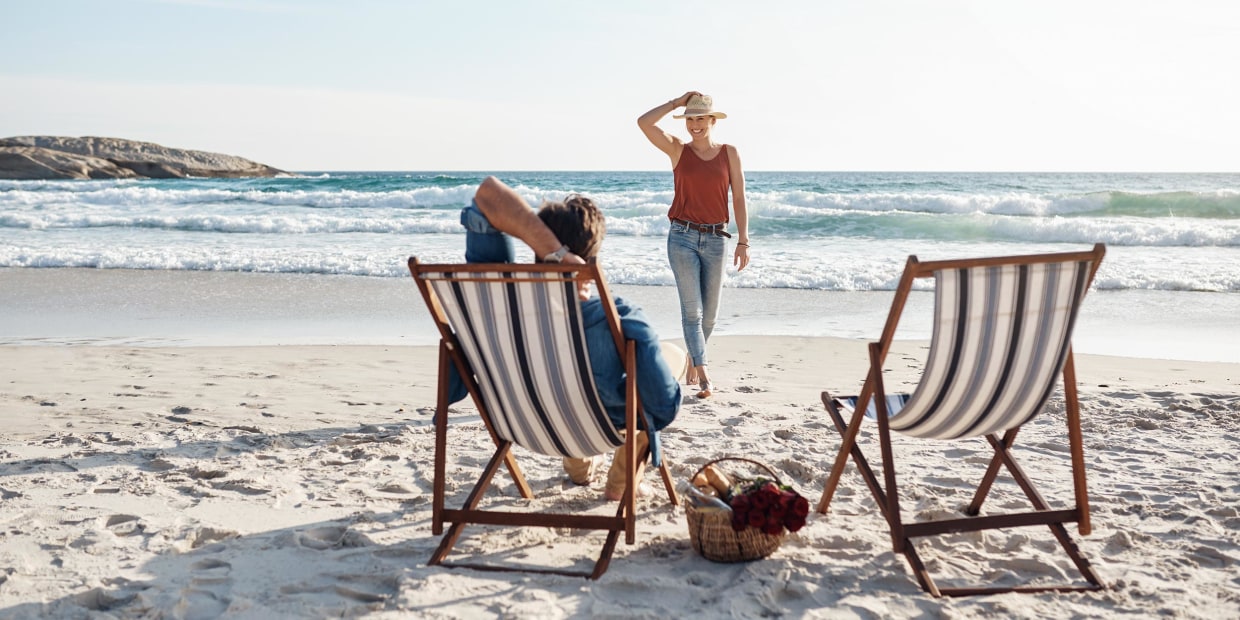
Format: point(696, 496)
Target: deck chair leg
point(632, 411)
point(871, 480)
point(628, 501)
point(1072, 406)
point(446, 544)
point(604, 558)
point(920, 571)
point(471, 502)
point(992, 470)
point(441, 444)
point(666, 474)
point(899, 541)
point(910, 552)
point(1074, 552)
point(847, 446)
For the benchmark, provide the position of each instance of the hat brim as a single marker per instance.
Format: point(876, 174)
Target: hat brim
point(689, 113)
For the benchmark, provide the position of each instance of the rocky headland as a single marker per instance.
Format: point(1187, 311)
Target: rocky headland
point(57, 157)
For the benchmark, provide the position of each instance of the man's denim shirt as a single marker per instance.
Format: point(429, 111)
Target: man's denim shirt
point(656, 385)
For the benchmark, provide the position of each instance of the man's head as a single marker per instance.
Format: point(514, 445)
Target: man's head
point(577, 223)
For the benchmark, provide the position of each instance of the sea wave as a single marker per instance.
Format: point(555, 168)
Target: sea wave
point(615, 197)
point(293, 224)
point(849, 265)
point(807, 227)
point(136, 196)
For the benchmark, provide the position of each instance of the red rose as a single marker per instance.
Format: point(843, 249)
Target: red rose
point(794, 523)
point(740, 521)
point(756, 519)
point(774, 528)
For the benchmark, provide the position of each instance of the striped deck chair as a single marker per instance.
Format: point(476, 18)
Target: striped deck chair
point(1001, 339)
point(514, 334)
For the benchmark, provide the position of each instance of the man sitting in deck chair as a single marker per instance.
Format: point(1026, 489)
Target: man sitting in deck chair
point(572, 232)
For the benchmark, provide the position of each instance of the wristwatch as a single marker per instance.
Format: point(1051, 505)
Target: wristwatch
point(556, 256)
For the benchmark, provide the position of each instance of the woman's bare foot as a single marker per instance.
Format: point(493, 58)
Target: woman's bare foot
point(705, 387)
point(691, 373)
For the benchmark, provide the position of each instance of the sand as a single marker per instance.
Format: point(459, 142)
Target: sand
point(294, 481)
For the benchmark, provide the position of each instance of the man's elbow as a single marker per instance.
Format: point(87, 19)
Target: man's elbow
point(488, 190)
point(489, 185)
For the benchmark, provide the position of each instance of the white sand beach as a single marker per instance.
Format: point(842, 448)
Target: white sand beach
point(294, 481)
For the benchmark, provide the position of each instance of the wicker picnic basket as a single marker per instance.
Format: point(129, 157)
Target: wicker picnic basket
point(710, 529)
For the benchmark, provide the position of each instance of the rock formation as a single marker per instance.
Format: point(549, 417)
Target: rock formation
point(56, 157)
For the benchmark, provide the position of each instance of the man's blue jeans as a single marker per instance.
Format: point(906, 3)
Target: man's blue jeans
point(484, 243)
point(697, 261)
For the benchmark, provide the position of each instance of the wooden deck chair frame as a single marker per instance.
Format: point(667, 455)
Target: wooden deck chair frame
point(451, 353)
point(873, 396)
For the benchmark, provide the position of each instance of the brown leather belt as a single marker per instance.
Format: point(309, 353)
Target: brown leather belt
point(720, 230)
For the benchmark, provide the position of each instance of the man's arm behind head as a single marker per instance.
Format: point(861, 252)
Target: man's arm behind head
point(509, 213)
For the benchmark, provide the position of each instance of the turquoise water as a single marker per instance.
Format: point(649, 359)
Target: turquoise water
point(819, 231)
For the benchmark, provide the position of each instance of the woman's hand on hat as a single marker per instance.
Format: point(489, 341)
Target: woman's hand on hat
point(683, 100)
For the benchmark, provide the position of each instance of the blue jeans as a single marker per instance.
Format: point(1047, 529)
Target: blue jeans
point(697, 261)
point(483, 242)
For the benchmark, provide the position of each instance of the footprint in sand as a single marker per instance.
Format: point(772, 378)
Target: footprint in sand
point(367, 588)
point(207, 535)
point(198, 603)
point(99, 599)
point(211, 572)
point(329, 537)
point(124, 525)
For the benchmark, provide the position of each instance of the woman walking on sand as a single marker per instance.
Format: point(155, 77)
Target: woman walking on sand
point(703, 172)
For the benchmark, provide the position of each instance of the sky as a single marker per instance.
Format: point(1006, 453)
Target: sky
point(822, 85)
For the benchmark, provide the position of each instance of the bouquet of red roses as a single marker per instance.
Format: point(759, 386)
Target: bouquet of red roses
point(769, 506)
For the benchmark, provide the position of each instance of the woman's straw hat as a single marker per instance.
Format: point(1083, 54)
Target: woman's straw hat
point(700, 105)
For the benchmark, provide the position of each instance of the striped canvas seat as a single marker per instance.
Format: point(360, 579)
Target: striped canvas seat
point(1001, 335)
point(525, 342)
point(1002, 331)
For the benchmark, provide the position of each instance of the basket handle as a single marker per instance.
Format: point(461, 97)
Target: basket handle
point(738, 458)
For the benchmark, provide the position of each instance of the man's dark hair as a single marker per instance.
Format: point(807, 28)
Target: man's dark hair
point(577, 223)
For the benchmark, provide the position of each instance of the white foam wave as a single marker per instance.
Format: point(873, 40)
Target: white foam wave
point(400, 222)
point(1009, 203)
point(849, 265)
point(1165, 232)
point(133, 196)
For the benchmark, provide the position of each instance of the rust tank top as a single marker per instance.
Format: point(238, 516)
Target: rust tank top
point(701, 188)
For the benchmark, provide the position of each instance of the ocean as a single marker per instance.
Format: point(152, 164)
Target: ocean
point(1173, 239)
